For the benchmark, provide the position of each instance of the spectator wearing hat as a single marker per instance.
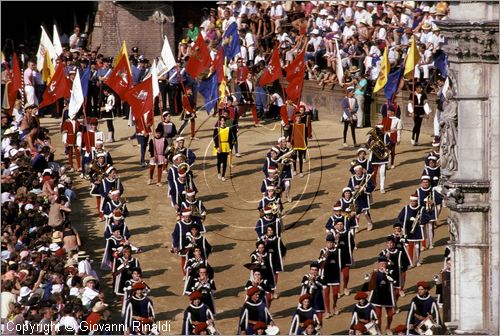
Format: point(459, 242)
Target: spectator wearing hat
point(197, 312)
point(303, 313)
point(422, 306)
point(139, 314)
point(381, 290)
point(254, 310)
point(316, 47)
point(363, 312)
point(349, 116)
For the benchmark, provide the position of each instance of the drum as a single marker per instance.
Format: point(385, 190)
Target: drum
point(373, 328)
point(428, 327)
point(272, 330)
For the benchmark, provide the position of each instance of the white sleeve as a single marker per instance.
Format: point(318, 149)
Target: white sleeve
point(410, 107)
point(64, 137)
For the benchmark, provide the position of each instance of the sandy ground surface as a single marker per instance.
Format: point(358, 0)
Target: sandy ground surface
point(232, 215)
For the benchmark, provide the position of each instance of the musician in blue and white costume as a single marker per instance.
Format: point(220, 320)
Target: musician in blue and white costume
point(362, 186)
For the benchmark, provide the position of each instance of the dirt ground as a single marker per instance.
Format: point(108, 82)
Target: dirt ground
point(232, 215)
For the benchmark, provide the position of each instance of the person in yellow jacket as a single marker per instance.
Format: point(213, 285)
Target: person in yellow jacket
point(223, 138)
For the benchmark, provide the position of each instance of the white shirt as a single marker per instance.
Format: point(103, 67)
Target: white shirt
point(277, 100)
point(88, 295)
point(249, 41)
point(6, 298)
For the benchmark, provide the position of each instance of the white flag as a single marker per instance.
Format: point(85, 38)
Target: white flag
point(76, 100)
point(45, 46)
point(57, 42)
point(167, 56)
point(154, 74)
point(340, 70)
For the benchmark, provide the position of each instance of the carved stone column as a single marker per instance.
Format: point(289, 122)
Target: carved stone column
point(470, 166)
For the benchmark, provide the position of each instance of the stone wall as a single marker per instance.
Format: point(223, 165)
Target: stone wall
point(133, 22)
point(330, 101)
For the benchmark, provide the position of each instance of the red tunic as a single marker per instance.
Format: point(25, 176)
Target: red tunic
point(71, 130)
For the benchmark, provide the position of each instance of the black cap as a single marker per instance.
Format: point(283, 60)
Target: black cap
point(330, 237)
point(314, 264)
point(383, 259)
point(397, 225)
point(390, 238)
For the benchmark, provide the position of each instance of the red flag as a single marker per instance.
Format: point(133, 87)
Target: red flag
point(273, 70)
point(199, 59)
point(120, 79)
point(218, 65)
point(140, 99)
point(294, 89)
point(296, 68)
point(59, 87)
point(15, 81)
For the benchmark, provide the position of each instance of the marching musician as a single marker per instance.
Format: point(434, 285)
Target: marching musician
point(269, 219)
point(271, 160)
point(298, 138)
point(432, 170)
point(254, 310)
point(114, 245)
point(401, 243)
point(382, 292)
point(348, 219)
point(96, 173)
point(272, 180)
point(394, 132)
point(329, 261)
point(195, 238)
point(71, 130)
point(205, 285)
point(117, 222)
point(188, 114)
point(178, 160)
point(277, 250)
point(157, 148)
point(256, 280)
point(362, 186)
point(344, 240)
point(113, 203)
point(362, 161)
point(179, 233)
point(422, 307)
point(109, 183)
point(139, 316)
point(193, 265)
point(303, 313)
point(198, 210)
point(435, 151)
point(363, 312)
point(89, 137)
point(285, 159)
point(397, 265)
point(312, 285)
point(188, 153)
point(178, 186)
point(122, 270)
point(270, 199)
point(262, 260)
point(99, 148)
point(197, 312)
point(129, 284)
point(379, 160)
point(430, 200)
point(410, 218)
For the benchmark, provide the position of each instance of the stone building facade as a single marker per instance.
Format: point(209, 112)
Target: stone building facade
point(470, 165)
point(140, 24)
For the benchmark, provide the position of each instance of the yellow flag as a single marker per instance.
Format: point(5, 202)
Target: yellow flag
point(411, 59)
point(123, 53)
point(48, 68)
point(384, 72)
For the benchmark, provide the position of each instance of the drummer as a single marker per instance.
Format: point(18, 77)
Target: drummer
point(422, 307)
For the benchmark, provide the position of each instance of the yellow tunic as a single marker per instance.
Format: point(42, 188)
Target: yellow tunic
point(223, 141)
